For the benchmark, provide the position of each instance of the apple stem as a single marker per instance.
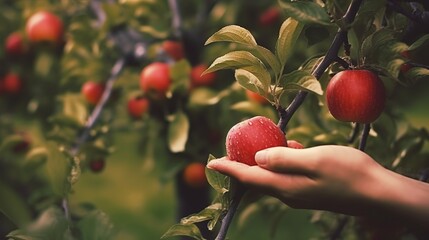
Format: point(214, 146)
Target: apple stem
point(364, 137)
point(235, 202)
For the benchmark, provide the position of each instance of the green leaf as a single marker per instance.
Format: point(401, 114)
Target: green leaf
point(244, 60)
point(232, 33)
point(207, 213)
point(416, 74)
point(288, 35)
point(178, 131)
point(51, 224)
point(376, 41)
point(74, 107)
point(249, 81)
point(13, 206)
point(301, 80)
point(202, 96)
point(190, 230)
point(36, 157)
point(11, 141)
point(96, 226)
point(240, 35)
point(419, 43)
point(218, 181)
point(179, 73)
point(254, 109)
point(306, 12)
point(58, 168)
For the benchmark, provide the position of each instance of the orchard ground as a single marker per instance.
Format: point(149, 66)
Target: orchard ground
point(141, 206)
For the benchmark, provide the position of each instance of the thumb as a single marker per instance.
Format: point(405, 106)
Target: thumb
point(285, 159)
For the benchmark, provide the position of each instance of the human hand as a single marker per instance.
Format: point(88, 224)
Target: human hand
point(335, 178)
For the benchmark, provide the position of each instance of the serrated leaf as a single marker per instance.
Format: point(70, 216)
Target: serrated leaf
point(218, 181)
point(243, 60)
point(306, 12)
point(207, 213)
point(288, 35)
point(249, 81)
point(420, 42)
point(301, 80)
point(190, 230)
point(242, 36)
point(233, 33)
point(178, 131)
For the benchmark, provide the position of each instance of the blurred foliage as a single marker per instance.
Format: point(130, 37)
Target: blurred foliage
point(45, 155)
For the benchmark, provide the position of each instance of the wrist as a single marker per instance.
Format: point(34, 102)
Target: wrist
point(404, 198)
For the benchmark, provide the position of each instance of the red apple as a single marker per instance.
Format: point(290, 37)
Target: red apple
point(269, 16)
point(155, 77)
point(194, 175)
point(44, 26)
point(97, 165)
point(356, 96)
point(252, 96)
point(174, 49)
point(250, 136)
point(11, 83)
point(92, 91)
point(137, 106)
point(14, 45)
point(197, 79)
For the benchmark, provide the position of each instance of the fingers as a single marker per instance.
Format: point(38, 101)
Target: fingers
point(283, 159)
point(270, 182)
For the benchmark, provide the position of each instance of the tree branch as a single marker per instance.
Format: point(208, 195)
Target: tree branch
point(330, 56)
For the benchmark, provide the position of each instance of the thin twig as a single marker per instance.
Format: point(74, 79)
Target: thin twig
point(116, 70)
point(235, 202)
point(176, 18)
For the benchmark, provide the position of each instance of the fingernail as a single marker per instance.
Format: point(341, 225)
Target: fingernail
point(261, 157)
point(212, 164)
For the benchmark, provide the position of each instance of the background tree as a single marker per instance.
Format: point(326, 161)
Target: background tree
point(105, 100)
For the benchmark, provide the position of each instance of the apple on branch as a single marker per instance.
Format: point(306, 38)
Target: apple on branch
point(356, 96)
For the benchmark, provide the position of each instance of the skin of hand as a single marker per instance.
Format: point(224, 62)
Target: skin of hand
point(333, 178)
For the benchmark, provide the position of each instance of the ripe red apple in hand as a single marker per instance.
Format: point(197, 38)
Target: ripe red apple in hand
point(248, 137)
point(44, 26)
point(356, 96)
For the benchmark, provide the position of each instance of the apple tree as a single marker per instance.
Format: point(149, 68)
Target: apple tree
point(181, 74)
